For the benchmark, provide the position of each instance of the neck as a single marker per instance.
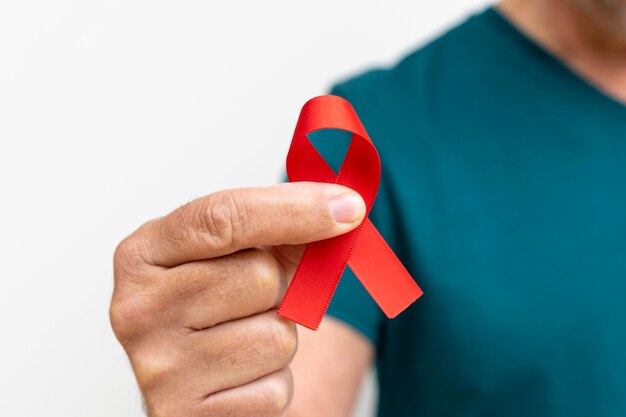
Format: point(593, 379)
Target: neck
point(575, 36)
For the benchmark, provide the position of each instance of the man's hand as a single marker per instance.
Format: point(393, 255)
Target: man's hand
point(196, 292)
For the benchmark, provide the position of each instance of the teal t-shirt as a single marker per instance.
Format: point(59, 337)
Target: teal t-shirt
point(504, 194)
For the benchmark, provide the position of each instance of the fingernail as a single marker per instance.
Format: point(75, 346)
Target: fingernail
point(347, 208)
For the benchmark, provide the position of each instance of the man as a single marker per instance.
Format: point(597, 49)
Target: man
point(503, 146)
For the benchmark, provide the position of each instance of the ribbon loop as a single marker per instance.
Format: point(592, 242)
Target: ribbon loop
point(363, 248)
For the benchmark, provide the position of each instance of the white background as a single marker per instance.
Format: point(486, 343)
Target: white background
point(114, 112)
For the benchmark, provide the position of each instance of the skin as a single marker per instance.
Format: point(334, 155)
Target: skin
point(588, 36)
point(196, 290)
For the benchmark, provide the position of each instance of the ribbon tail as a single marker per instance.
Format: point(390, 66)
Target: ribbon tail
point(315, 280)
point(381, 272)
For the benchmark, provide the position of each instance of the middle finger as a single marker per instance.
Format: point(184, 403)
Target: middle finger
point(203, 294)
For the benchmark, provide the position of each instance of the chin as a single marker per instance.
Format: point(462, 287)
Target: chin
point(608, 15)
point(616, 17)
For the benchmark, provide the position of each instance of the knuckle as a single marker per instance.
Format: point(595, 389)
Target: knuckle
point(279, 393)
point(128, 256)
point(129, 315)
point(266, 273)
point(223, 218)
point(283, 340)
point(152, 366)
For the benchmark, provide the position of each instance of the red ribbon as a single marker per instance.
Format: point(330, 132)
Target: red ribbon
point(370, 258)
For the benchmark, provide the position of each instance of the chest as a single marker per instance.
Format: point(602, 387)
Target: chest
point(523, 266)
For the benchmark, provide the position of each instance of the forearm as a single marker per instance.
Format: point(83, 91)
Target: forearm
point(328, 370)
